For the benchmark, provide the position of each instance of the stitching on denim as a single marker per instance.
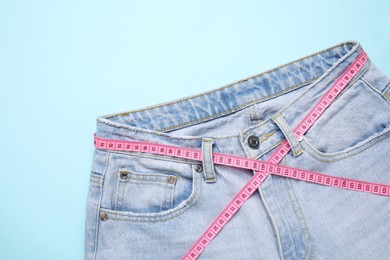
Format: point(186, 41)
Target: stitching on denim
point(250, 130)
point(247, 151)
point(139, 130)
point(208, 163)
point(387, 88)
point(357, 45)
point(269, 149)
point(304, 222)
point(314, 153)
point(140, 180)
point(306, 227)
point(288, 133)
point(348, 54)
point(95, 179)
point(154, 132)
point(385, 93)
point(266, 136)
point(156, 157)
point(371, 86)
point(356, 77)
point(138, 176)
point(296, 214)
point(254, 115)
point(133, 176)
point(99, 203)
point(211, 166)
point(360, 144)
point(275, 225)
point(95, 175)
point(189, 204)
point(325, 77)
point(239, 107)
point(165, 203)
point(123, 195)
point(204, 160)
point(171, 191)
point(347, 87)
point(178, 213)
point(117, 192)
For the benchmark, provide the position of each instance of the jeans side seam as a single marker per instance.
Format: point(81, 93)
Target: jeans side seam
point(98, 204)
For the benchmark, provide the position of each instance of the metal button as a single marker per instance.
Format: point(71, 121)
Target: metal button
point(123, 175)
point(171, 179)
point(199, 168)
point(103, 217)
point(253, 142)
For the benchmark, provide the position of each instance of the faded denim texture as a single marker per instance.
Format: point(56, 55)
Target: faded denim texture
point(156, 207)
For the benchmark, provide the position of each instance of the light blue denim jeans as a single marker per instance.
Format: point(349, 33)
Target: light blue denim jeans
point(144, 206)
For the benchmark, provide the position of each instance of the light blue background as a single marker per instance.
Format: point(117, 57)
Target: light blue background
point(63, 63)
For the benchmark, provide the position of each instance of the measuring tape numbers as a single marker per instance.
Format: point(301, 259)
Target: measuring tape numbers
point(261, 169)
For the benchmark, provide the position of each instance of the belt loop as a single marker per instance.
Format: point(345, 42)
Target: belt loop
point(288, 133)
point(207, 160)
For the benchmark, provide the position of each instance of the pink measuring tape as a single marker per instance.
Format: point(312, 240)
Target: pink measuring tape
point(262, 169)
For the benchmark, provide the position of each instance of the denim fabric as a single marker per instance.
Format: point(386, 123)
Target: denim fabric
point(158, 206)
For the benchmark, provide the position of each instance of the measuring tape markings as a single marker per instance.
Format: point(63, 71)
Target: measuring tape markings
point(226, 214)
point(244, 163)
point(262, 169)
point(321, 106)
point(284, 148)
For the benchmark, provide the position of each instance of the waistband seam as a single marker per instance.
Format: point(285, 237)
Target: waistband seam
point(160, 132)
point(308, 83)
point(284, 91)
point(325, 76)
point(153, 132)
point(126, 113)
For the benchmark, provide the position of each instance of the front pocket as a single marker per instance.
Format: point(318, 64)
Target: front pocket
point(149, 188)
point(348, 152)
point(144, 193)
point(357, 117)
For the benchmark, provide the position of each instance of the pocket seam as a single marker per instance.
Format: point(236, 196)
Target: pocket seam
point(135, 177)
point(347, 152)
point(165, 215)
point(156, 157)
point(385, 94)
point(98, 206)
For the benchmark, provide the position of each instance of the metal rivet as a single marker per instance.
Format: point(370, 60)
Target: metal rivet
point(103, 217)
point(253, 142)
point(123, 175)
point(199, 168)
point(171, 179)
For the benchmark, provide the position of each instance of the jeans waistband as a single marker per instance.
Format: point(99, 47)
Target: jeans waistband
point(313, 75)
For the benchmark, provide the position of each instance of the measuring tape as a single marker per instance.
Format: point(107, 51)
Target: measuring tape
point(261, 169)
point(279, 154)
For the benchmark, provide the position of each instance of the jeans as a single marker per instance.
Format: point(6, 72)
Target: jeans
point(143, 206)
